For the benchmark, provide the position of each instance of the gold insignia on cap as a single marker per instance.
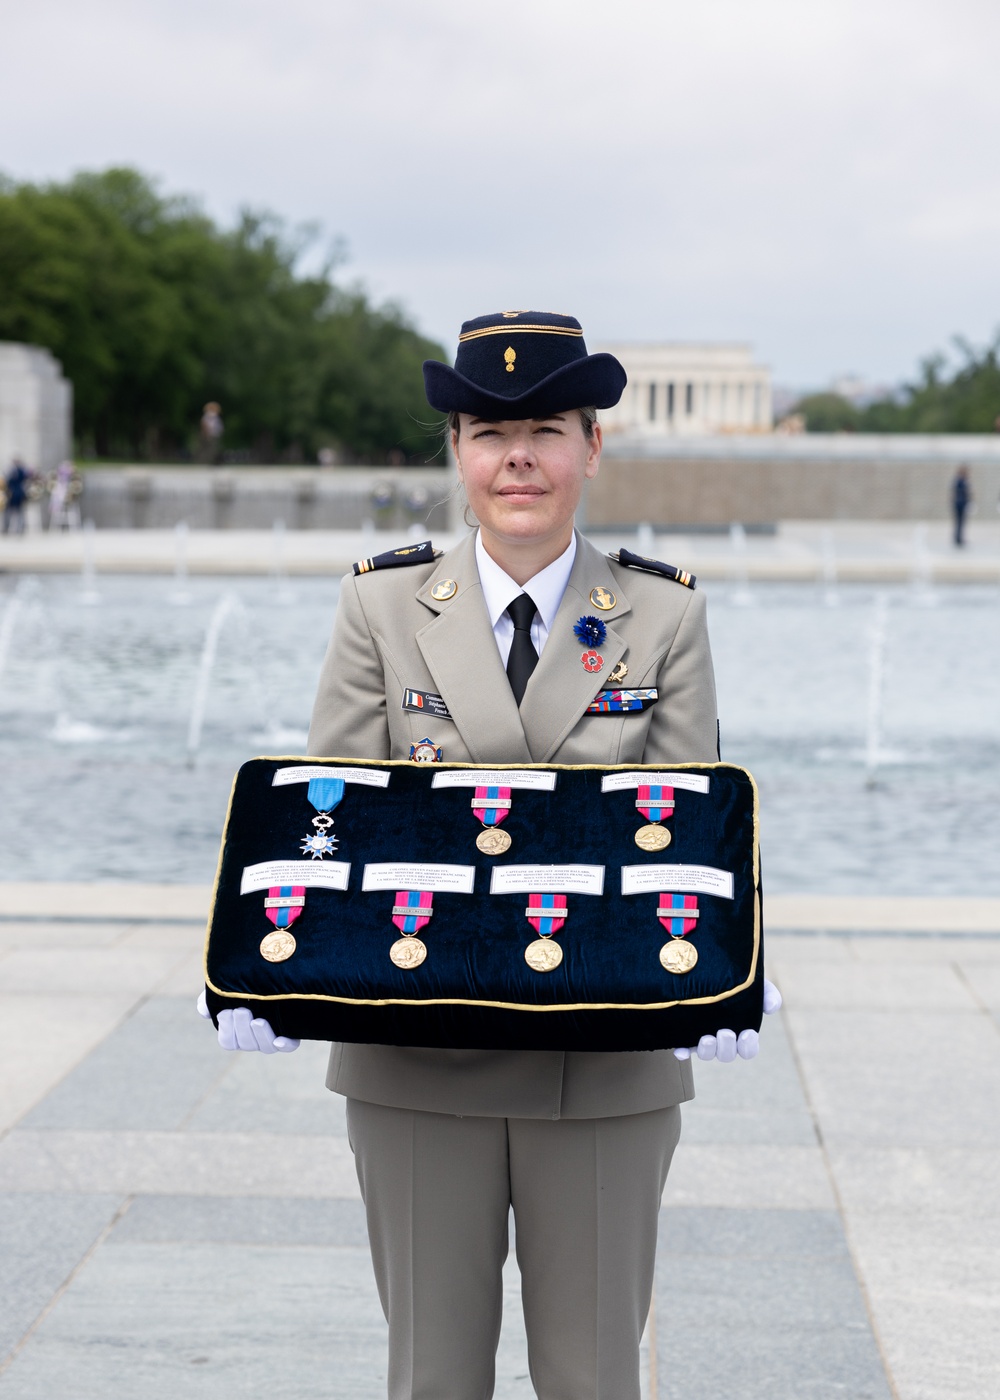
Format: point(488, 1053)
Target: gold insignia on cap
point(444, 589)
point(509, 315)
point(510, 355)
point(603, 598)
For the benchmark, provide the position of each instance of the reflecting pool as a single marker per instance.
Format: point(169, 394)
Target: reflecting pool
point(871, 720)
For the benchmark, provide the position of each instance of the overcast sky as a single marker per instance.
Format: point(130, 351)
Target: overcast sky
point(820, 177)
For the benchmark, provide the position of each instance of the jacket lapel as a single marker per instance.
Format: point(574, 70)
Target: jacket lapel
point(560, 689)
point(461, 654)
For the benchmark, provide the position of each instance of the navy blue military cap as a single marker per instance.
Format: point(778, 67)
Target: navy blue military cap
point(523, 364)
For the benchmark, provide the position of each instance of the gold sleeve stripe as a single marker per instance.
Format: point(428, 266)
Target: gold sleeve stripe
point(510, 330)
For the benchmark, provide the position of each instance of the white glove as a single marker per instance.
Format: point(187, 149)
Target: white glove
point(726, 1045)
point(238, 1030)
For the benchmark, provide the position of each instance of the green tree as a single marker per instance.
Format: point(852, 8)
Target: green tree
point(967, 401)
point(827, 413)
point(153, 310)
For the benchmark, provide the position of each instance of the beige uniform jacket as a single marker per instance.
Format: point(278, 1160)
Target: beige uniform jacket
point(391, 635)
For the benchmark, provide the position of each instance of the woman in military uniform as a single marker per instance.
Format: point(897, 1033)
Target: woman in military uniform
point(472, 656)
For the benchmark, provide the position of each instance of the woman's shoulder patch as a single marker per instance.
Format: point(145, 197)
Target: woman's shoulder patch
point(424, 553)
point(654, 566)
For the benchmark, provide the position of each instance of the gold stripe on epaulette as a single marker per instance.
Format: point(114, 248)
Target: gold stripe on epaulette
point(365, 566)
point(519, 330)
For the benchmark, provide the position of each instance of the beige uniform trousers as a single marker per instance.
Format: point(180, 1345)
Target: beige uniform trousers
point(586, 1196)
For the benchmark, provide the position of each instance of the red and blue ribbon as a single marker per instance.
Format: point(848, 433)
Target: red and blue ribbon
point(495, 805)
point(676, 924)
point(284, 904)
point(543, 922)
point(655, 801)
point(412, 910)
point(613, 702)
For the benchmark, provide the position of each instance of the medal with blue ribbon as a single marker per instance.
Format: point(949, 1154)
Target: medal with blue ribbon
point(655, 802)
point(324, 794)
point(282, 906)
point(546, 914)
point(678, 913)
point(410, 913)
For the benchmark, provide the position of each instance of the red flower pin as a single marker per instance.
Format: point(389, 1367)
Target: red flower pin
point(592, 660)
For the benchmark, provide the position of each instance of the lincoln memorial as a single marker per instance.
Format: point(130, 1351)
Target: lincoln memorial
point(689, 389)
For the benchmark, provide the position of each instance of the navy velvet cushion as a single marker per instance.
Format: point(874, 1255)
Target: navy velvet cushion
point(475, 990)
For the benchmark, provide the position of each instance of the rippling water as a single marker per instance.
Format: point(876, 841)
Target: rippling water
point(96, 700)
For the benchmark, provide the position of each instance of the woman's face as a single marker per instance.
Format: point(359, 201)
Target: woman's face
point(524, 477)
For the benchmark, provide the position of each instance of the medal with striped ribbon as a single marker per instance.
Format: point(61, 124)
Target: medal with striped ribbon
point(491, 805)
point(546, 914)
point(282, 906)
point(412, 910)
point(324, 794)
point(656, 803)
point(678, 913)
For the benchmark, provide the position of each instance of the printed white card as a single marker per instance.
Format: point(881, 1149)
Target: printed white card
point(496, 777)
point(679, 879)
point(618, 782)
point(400, 875)
point(314, 874)
point(547, 879)
point(369, 777)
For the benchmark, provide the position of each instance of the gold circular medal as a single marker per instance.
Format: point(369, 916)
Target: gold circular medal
point(653, 837)
point(603, 598)
point(408, 952)
point(492, 841)
point(277, 946)
point(678, 955)
point(444, 589)
point(543, 955)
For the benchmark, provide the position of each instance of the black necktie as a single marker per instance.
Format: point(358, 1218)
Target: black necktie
point(523, 657)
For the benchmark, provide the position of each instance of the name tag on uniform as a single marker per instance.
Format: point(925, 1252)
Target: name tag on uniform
point(616, 702)
point(425, 702)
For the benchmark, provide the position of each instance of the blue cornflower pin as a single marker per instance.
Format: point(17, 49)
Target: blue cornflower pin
point(591, 631)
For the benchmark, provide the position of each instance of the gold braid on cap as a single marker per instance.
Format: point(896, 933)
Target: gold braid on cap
point(518, 330)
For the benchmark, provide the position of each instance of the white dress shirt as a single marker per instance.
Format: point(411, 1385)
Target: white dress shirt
point(546, 591)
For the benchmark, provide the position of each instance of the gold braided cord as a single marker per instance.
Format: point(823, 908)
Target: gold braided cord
point(511, 329)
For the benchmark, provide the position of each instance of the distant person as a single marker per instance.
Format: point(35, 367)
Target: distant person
point(210, 432)
point(16, 482)
point(63, 510)
point(961, 499)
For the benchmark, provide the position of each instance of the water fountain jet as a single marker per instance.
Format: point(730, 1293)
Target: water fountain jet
point(742, 596)
point(922, 569)
point(226, 605)
point(181, 594)
point(876, 674)
point(645, 539)
point(88, 571)
point(831, 598)
point(283, 593)
point(11, 615)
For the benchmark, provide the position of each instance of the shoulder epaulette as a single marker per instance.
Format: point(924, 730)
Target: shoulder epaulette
point(424, 553)
point(654, 566)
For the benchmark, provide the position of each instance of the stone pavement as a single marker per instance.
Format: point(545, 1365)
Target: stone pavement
point(179, 1221)
point(799, 551)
